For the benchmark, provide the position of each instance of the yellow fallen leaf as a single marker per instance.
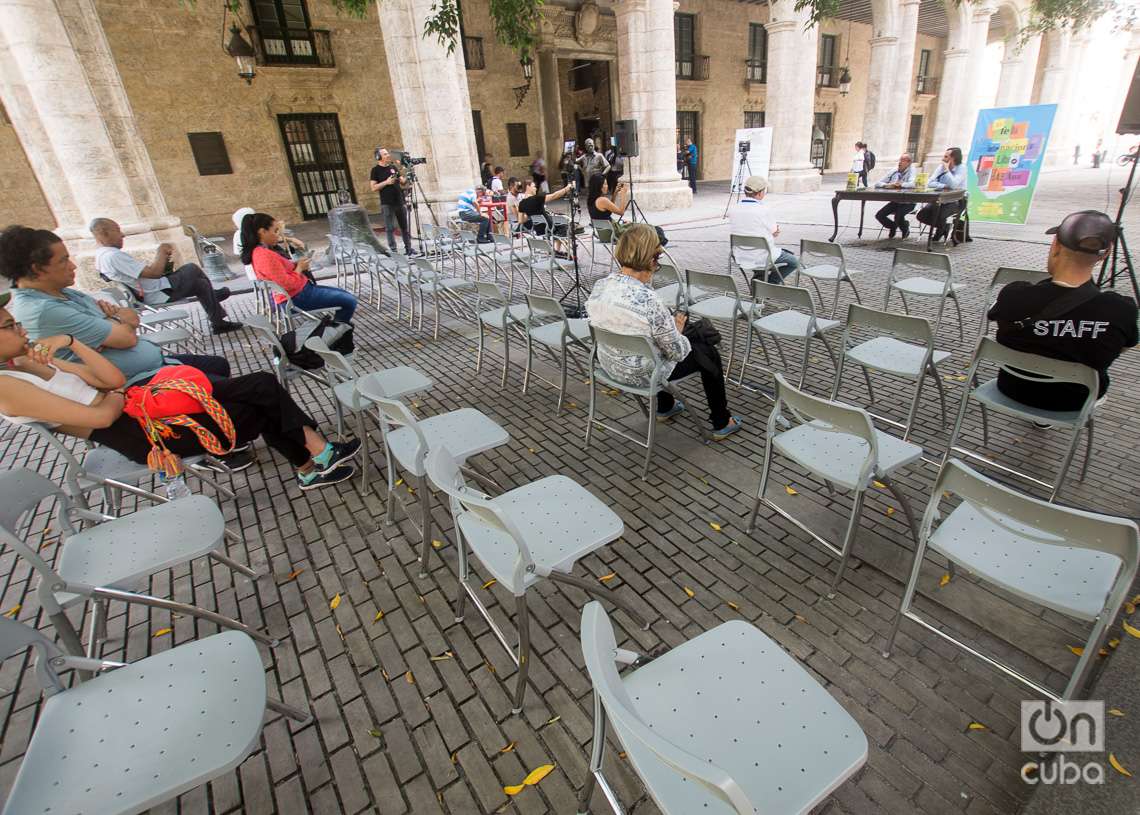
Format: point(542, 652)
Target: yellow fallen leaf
point(1129, 608)
point(1116, 765)
point(490, 583)
point(879, 485)
point(790, 490)
point(384, 674)
point(294, 574)
point(443, 656)
point(801, 618)
point(890, 511)
point(1135, 632)
point(622, 755)
point(411, 680)
point(162, 632)
point(1135, 600)
point(13, 611)
point(1115, 711)
point(553, 720)
point(689, 591)
point(944, 580)
point(1112, 643)
point(379, 616)
point(530, 449)
point(340, 632)
point(714, 525)
point(532, 778)
point(608, 577)
point(509, 748)
point(411, 491)
point(1102, 652)
point(1076, 650)
point(454, 760)
point(399, 481)
point(732, 605)
point(437, 544)
point(333, 603)
point(571, 405)
point(375, 733)
point(977, 726)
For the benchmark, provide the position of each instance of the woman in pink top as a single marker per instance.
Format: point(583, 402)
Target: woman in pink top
point(258, 235)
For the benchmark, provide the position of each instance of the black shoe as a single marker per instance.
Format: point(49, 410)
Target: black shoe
point(222, 294)
point(225, 327)
point(314, 479)
point(485, 240)
point(232, 462)
point(341, 452)
point(904, 228)
point(890, 234)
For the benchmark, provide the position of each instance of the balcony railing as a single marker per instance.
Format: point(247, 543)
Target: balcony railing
point(473, 54)
point(693, 67)
point(755, 71)
point(297, 46)
point(926, 85)
point(826, 76)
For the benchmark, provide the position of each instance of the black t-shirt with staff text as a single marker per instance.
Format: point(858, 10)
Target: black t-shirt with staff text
point(391, 195)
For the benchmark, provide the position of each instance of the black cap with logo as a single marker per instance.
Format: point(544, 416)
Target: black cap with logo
point(1089, 231)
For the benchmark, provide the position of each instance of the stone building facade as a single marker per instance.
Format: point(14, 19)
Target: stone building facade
point(132, 109)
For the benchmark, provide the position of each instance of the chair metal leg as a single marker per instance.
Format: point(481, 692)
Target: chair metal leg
point(240, 568)
point(183, 608)
point(479, 350)
point(522, 623)
point(562, 391)
point(606, 596)
point(299, 716)
point(958, 309)
point(651, 415)
point(1088, 449)
point(763, 485)
point(97, 624)
point(597, 753)
point(425, 522)
point(848, 541)
point(1066, 463)
point(506, 354)
point(941, 392)
point(905, 504)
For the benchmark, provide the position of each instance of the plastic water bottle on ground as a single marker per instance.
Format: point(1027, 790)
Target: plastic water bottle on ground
point(176, 487)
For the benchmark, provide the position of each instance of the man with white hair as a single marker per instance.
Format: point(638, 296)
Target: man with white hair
point(753, 218)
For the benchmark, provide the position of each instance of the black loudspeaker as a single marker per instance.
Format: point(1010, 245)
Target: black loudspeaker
point(1130, 115)
point(625, 136)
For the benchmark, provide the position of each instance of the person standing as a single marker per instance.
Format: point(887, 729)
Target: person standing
point(617, 168)
point(498, 181)
point(691, 161)
point(857, 165)
point(385, 180)
point(893, 215)
point(487, 170)
point(592, 163)
point(538, 172)
point(1076, 154)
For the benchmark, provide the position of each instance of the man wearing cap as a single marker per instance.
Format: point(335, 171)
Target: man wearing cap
point(753, 218)
point(1066, 317)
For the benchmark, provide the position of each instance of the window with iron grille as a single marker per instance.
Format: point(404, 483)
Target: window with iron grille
point(757, 53)
point(284, 31)
point(684, 43)
point(914, 135)
point(821, 141)
point(210, 154)
point(753, 119)
point(473, 54)
point(516, 139)
point(317, 158)
point(826, 75)
point(923, 70)
point(477, 123)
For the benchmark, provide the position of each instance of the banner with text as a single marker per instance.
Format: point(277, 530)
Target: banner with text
point(756, 159)
point(1006, 155)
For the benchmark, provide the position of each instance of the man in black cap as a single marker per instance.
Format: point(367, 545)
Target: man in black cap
point(1066, 317)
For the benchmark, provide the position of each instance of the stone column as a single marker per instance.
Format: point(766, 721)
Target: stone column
point(1061, 85)
point(648, 90)
point(791, 97)
point(1018, 70)
point(432, 102)
point(64, 95)
point(962, 128)
point(550, 103)
point(897, 124)
point(880, 75)
point(950, 91)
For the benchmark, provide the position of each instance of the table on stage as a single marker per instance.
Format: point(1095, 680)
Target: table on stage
point(903, 197)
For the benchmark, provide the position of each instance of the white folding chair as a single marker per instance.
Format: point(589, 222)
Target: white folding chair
point(926, 275)
point(494, 310)
point(605, 235)
point(821, 261)
point(548, 326)
point(797, 322)
point(714, 296)
point(759, 264)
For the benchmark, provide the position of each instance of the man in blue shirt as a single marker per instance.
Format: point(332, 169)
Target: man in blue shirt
point(691, 160)
point(893, 215)
point(469, 211)
point(950, 176)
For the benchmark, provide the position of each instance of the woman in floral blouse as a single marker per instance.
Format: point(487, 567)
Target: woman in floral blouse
point(624, 303)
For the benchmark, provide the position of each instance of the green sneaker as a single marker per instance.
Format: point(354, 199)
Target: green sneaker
point(314, 478)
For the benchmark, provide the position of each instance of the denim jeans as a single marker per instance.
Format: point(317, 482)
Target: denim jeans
point(396, 215)
point(484, 224)
point(313, 297)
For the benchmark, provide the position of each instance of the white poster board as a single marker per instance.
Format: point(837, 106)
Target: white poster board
point(756, 159)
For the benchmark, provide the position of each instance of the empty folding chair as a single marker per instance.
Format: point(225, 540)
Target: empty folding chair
point(548, 326)
point(887, 353)
point(926, 275)
point(534, 532)
point(504, 257)
point(1075, 563)
point(634, 346)
point(443, 291)
point(1040, 370)
point(407, 442)
point(167, 328)
point(798, 322)
point(544, 263)
point(838, 444)
point(99, 564)
point(714, 296)
point(495, 311)
point(138, 735)
point(727, 722)
point(605, 235)
point(821, 261)
point(757, 260)
point(1003, 277)
point(470, 249)
point(669, 283)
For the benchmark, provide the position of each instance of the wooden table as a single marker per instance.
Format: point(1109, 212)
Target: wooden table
point(901, 197)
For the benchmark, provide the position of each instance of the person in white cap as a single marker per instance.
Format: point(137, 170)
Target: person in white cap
point(753, 218)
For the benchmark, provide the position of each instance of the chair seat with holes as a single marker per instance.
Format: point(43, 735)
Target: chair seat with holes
point(104, 462)
point(669, 294)
point(451, 283)
point(717, 307)
point(396, 382)
point(166, 336)
point(142, 734)
point(792, 323)
point(925, 287)
point(494, 317)
point(560, 520)
point(551, 333)
point(464, 432)
point(988, 394)
point(1069, 580)
point(734, 698)
point(839, 456)
point(117, 553)
point(169, 315)
point(826, 271)
point(893, 356)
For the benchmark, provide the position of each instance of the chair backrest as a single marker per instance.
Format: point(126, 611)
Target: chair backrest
point(707, 283)
point(1048, 524)
point(794, 296)
point(822, 253)
point(599, 649)
point(1036, 368)
point(23, 491)
point(604, 230)
point(542, 305)
point(754, 243)
point(485, 291)
point(335, 362)
point(393, 412)
point(265, 334)
point(905, 326)
point(627, 345)
point(911, 263)
point(16, 637)
point(668, 274)
point(538, 247)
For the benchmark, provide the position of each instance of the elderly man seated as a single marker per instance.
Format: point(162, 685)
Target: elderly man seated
point(893, 215)
point(157, 282)
point(753, 217)
point(624, 303)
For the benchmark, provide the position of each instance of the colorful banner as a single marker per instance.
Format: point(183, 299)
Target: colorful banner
point(1005, 159)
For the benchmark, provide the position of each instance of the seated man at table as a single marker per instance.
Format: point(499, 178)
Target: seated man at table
point(151, 282)
point(469, 212)
point(951, 175)
point(753, 218)
point(893, 215)
point(39, 267)
point(1066, 317)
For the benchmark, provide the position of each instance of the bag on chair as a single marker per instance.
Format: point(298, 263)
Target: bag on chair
point(337, 336)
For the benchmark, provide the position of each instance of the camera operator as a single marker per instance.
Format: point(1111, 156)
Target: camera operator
point(386, 181)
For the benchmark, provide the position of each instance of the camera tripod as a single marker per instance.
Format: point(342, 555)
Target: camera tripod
point(633, 207)
point(414, 204)
point(1119, 253)
point(738, 183)
point(573, 311)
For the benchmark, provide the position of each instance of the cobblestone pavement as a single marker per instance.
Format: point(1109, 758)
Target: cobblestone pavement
point(412, 707)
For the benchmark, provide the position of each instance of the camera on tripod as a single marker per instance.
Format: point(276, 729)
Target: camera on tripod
point(743, 147)
point(411, 161)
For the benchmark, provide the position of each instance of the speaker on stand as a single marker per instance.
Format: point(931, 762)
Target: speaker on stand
point(625, 142)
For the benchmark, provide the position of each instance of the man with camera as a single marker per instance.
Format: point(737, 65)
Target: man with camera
point(386, 181)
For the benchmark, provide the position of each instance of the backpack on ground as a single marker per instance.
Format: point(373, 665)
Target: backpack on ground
point(868, 160)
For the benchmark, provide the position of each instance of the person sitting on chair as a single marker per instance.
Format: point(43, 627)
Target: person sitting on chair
point(534, 203)
point(85, 398)
point(1066, 317)
point(151, 282)
point(752, 217)
point(951, 175)
point(39, 267)
point(598, 203)
point(467, 208)
point(624, 302)
point(259, 233)
point(893, 215)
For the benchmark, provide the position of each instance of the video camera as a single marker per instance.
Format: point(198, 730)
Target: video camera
point(411, 161)
point(744, 146)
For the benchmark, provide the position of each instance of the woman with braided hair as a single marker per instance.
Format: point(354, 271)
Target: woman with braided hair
point(85, 398)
